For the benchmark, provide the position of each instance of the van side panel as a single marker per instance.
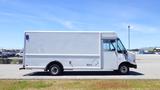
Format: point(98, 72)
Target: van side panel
point(72, 49)
point(69, 62)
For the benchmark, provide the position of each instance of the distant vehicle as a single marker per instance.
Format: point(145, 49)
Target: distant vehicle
point(156, 50)
point(19, 54)
point(0, 54)
point(141, 51)
point(11, 53)
point(4, 54)
point(57, 52)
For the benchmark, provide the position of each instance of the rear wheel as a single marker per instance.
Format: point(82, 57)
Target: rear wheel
point(55, 70)
point(123, 69)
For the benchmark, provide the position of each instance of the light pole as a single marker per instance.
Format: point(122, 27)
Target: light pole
point(129, 36)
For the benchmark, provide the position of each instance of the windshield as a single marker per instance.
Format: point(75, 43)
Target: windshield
point(120, 47)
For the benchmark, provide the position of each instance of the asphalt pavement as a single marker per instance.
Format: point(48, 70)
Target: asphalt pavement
point(148, 68)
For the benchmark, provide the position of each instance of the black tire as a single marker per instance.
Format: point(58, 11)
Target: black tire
point(55, 70)
point(123, 69)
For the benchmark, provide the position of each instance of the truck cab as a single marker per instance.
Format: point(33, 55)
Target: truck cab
point(119, 58)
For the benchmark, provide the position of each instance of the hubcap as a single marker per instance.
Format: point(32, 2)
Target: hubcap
point(124, 69)
point(54, 70)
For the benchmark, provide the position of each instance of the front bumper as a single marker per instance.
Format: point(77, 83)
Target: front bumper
point(133, 65)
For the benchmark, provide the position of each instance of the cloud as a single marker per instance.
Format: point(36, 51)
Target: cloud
point(144, 28)
point(3, 1)
point(6, 13)
point(65, 23)
point(68, 24)
point(141, 28)
point(40, 19)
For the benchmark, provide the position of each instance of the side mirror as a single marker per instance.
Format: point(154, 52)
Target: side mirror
point(119, 51)
point(125, 52)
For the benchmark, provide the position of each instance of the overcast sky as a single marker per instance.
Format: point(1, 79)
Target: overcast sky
point(18, 16)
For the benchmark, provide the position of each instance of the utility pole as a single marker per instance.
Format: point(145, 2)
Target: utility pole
point(129, 37)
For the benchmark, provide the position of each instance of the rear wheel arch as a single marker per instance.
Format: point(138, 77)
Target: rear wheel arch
point(54, 62)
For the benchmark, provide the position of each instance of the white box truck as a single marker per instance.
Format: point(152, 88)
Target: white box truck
point(59, 51)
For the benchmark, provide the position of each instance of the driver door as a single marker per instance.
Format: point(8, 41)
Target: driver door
point(109, 54)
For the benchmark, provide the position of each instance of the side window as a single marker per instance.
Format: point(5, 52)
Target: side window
point(109, 45)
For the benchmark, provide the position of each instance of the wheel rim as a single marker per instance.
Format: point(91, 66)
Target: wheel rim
point(54, 70)
point(124, 69)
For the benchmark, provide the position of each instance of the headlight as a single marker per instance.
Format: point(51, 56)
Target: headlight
point(131, 57)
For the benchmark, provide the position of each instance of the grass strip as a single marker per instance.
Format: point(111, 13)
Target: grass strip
point(79, 84)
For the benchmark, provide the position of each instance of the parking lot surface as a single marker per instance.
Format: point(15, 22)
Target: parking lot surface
point(148, 68)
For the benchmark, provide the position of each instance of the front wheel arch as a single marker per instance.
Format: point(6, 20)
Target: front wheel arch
point(124, 63)
point(124, 68)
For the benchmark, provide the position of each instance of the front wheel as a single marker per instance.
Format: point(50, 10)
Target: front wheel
point(123, 69)
point(55, 70)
